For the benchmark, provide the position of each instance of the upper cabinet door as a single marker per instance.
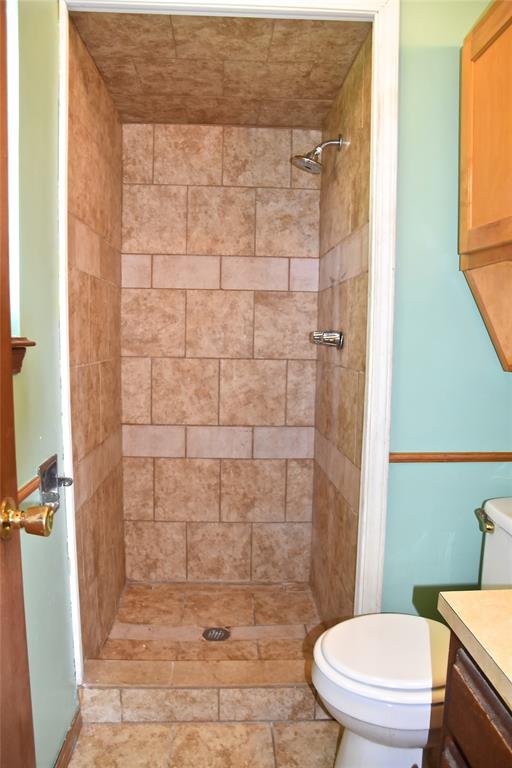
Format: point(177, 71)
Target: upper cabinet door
point(485, 235)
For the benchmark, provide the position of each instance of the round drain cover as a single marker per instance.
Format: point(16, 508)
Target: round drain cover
point(216, 634)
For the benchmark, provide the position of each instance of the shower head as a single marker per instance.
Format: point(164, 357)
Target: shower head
point(311, 162)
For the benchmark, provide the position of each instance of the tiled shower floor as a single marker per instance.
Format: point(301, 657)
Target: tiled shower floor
point(160, 695)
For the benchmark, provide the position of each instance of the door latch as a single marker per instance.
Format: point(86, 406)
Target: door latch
point(50, 482)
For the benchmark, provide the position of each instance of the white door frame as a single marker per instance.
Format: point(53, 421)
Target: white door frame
point(383, 171)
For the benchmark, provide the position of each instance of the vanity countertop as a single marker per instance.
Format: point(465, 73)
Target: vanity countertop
point(482, 620)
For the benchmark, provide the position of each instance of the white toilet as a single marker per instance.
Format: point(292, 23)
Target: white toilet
point(382, 676)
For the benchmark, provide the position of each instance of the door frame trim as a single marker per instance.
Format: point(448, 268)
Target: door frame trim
point(65, 370)
point(383, 205)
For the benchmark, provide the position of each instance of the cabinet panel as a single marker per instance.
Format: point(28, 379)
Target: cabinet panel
point(486, 139)
point(451, 757)
point(492, 133)
point(476, 718)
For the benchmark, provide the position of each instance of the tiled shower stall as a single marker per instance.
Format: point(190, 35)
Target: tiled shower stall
point(212, 444)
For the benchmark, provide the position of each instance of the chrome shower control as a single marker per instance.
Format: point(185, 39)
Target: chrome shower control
point(329, 338)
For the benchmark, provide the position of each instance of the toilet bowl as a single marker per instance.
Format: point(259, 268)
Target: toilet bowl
point(382, 676)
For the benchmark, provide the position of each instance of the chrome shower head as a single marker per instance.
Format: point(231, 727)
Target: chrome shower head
point(311, 162)
point(307, 162)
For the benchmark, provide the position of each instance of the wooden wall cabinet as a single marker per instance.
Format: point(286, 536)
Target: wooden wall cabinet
point(485, 226)
point(477, 725)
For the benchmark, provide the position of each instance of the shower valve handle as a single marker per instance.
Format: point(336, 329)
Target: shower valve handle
point(328, 338)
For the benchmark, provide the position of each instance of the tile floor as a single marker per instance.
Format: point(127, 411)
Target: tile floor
point(161, 696)
point(208, 745)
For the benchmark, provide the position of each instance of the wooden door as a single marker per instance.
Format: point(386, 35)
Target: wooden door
point(16, 730)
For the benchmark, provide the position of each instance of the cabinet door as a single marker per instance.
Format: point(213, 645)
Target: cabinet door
point(486, 140)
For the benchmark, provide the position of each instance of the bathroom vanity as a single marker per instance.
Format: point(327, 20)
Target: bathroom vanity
point(477, 725)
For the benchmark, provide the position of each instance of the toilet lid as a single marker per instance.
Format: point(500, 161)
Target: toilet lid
point(390, 650)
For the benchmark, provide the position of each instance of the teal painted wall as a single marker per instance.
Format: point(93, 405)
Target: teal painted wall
point(37, 388)
point(449, 390)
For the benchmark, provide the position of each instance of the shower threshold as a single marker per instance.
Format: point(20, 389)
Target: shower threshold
point(156, 666)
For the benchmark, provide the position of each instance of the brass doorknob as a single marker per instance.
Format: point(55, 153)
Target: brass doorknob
point(35, 520)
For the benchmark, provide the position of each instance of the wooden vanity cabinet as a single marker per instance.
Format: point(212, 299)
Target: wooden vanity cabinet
point(477, 725)
point(485, 220)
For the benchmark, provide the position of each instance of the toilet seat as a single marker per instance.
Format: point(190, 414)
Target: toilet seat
point(393, 658)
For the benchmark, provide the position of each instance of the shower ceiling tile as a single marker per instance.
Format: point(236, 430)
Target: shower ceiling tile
point(301, 112)
point(267, 81)
point(224, 111)
point(228, 70)
point(217, 37)
point(300, 40)
point(202, 78)
point(122, 34)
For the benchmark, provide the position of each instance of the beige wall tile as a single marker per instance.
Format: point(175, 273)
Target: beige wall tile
point(187, 489)
point(110, 397)
point(154, 219)
point(98, 705)
point(303, 274)
point(137, 154)
point(282, 324)
point(152, 322)
point(155, 551)
point(252, 491)
point(79, 316)
point(153, 441)
point(136, 390)
point(222, 746)
point(303, 141)
point(168, 705)
point(313, 744)
point(188, 154)
point(219, 324)
point(345, 260)
point(283, 442)
point(138, 488)
point(220, 222)
point(84, 247)
point(186, 272)
point(281, 551)
point(252, 391)
point(299, 490)
point(136, 270)
point(219, 442)
point(287, 223)
point(219, 551)
point(86, 426)
point(101, 330)
point(253, 274)
point(185, 391)
point(300, 392)
point(266, 704)
point(256, 157)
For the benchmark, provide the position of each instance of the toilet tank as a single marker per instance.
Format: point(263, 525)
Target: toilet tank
point(497, 556)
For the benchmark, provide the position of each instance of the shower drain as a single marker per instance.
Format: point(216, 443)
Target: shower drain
point(215, 634)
